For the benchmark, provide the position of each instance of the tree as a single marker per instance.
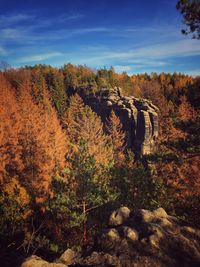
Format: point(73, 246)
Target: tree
point(4, 66)
point(84, 124)
point(190, 9)
point(91, 182)
point(185, 110)
point(125, 83)
point(32, 142)
point(74, 117)
point(60, 207)
point(115, 130)
point(194, 93)
point(43, 143)
point(10, 125)
point(138, 187)
point(55, 82)
point(14, 204)
point(86, 188)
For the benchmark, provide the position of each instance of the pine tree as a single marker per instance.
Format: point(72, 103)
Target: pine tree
point(86, 189)
point(91, 183)
point(55, 82)
point(115, 130)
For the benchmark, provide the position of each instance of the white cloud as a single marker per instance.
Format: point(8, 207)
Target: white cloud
point(122, 68)
point(40, 57)
point(88, 30)
point(154, 55)
point(73, 16)
point(6, 20)
point(29, 35)
point(180, 48)
point(3, 51)
point(171, 49)
point(10, 33)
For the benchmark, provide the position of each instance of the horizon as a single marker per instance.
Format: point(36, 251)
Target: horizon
point(134, 37)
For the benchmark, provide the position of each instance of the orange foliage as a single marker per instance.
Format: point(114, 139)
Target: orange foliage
point(10, 125)
point(22, 197)
point(117, 135)
point(185, 111)
point(84, 124)
point(33, 144)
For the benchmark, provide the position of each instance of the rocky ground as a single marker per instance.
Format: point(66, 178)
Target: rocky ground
point(142, 238)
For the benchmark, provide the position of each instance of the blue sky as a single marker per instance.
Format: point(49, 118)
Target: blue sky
point(131, 35)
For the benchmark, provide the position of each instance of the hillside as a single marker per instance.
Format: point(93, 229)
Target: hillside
point(76, 143)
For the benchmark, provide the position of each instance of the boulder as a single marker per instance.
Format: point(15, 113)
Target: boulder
point(108, 103)
point(35, 261)
point(151, 238)
point(109, 240)
point(160, 212)
point(101, 259)
point(130, 233)
point(152, 216)
point(69, 257)
point(119, 216)
point(141, 238)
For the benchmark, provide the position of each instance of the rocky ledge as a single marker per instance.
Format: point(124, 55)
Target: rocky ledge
point(139, 117)
point(139, 239)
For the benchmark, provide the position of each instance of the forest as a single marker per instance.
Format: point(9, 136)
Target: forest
point(62, 170)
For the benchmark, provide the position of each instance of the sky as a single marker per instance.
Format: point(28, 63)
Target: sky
point(130, 35)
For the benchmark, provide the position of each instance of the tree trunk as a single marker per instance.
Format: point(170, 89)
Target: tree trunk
point(84, 224)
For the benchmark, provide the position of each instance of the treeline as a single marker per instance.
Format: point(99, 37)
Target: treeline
point(164, 87)
point(61, 172)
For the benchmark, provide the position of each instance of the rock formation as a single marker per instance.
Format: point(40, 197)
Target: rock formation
point(139, 117)
point(143, 238)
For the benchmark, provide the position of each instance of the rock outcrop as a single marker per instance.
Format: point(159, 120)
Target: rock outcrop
point(139, 117)
point(147, 239)
point(35, 261)
point(140, 239)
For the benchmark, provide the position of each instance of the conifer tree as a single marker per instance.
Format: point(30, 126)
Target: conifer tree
point(74, 117)
point(55, 82)
point(91, 183)
point(190, 9)
point(84, 124)
point(185, 110)
point(10, 125)
point(115, 130)
point(43, 143)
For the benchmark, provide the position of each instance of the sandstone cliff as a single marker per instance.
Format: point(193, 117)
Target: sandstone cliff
point(139, 117)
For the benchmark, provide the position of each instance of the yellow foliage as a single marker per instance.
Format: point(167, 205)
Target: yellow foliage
point(22, 197)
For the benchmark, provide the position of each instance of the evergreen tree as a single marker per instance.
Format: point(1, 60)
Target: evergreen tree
point(190, 9)
point(86, 188)
point(74, 117)
point(85, 125)
point(55, 82)
point(91, 182)
point(115, 130)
